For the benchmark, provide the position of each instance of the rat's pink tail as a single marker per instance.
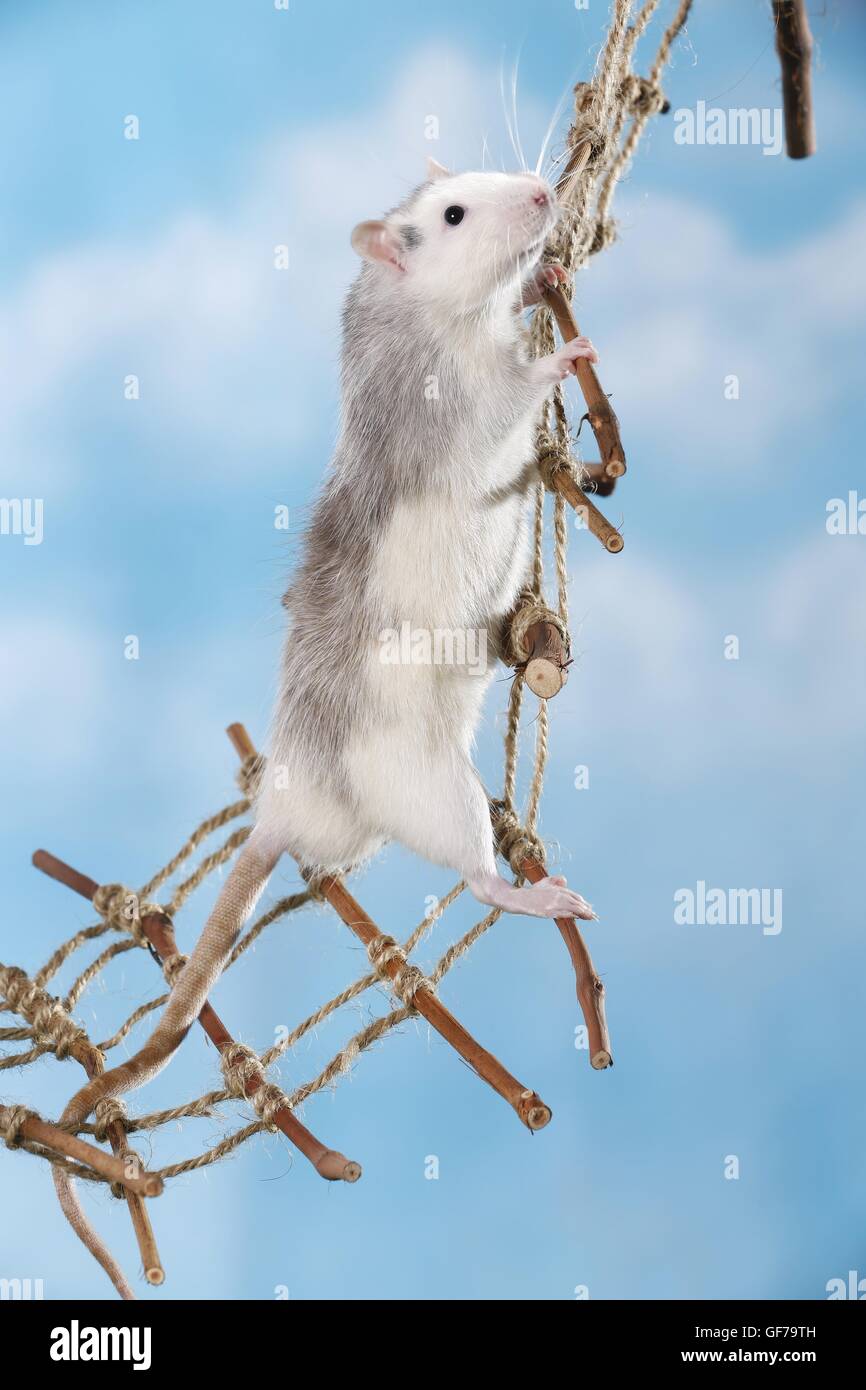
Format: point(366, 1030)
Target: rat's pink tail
point(190, 988)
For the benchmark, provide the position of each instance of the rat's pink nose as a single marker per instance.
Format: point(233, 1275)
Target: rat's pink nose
point(541, 198)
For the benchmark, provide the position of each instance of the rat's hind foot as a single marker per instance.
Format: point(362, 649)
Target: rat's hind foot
point(550, 897)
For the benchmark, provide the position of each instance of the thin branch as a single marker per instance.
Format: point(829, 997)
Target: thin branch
point(546, 669)
point(59, 1141)
point(794, 47)
point(159, 930)
point(590, 989)
point(28, 1005)
point(596, 522)
point(529, 1107)
point(602, 418)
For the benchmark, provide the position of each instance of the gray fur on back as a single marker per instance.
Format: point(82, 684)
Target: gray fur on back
point(395, 443)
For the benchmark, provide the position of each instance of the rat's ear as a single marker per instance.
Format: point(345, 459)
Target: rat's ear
point(435, 170)
point(376, 241)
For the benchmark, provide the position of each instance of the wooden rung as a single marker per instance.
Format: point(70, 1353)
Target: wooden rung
point(529, 1107)
point(794, 47)
point(159, 930)
point(93, 1062)
point(600, 412)
point(596, 521)
point(546, 669)
point(595, 480)
point(60, 1141)
point(590, 988)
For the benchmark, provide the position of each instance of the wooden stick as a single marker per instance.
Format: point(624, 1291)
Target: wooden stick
point(596, 521)
point(794, 47)
point(577, 162)
point(528, 1106)
point(93, 1062)
point(602, 417)
point(159, 930)
point(49, 1136)
point(579, 156)
point(596, 480)
point(590, 989)
point(546, 669)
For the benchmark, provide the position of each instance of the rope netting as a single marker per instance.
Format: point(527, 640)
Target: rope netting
point(611, 113)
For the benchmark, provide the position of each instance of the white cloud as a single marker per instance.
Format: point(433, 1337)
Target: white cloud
point(679, 304)
point(234, 355)
point(652, 665)
point(226, 347)
point(52, 670)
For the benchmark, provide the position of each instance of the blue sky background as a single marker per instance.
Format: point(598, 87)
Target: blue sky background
point(154, 257)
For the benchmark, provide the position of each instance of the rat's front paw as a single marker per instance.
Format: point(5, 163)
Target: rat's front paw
point(544, 278)
point(562, 362)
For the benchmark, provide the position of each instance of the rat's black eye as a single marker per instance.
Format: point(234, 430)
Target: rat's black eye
point(454, 214)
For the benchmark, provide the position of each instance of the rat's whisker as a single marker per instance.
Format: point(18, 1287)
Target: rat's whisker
point(520, 153)
point(557, 162)
point(554, 121)
point(508, 125)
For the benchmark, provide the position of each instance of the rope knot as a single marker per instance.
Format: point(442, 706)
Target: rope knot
point(314, 881)
point(122, 909)
point(642, 97)
point(17, 987)
point(12, 1124)
point(586, 127)
point(513, 842)
point(49, 1019)
point(407, 979)
point(108, 1111)
point(240, 1065)
point(249, 774)
point(530, 609)
point(603, 236)
point(172, 965)
point(553, 457)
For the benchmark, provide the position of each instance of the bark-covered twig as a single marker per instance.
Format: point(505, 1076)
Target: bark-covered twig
point(159, 930)
point(794, 47)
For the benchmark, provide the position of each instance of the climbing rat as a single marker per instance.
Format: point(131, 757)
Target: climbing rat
point(422, 526)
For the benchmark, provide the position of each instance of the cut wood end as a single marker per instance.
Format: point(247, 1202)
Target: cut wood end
point(152, 1186)
point(533, 1111)
point(538, 1116)
point(335, 1167)
point(614, 468)
point(155, 1275)
point(544, 678)
point(601, 1060)
point(241, 741)
point(614, 543)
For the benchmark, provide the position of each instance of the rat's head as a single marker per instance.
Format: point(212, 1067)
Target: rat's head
point(460, 238)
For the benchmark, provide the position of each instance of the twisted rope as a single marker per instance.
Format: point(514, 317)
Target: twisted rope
point(241, 1065)
point(51, 1024)
point(11, 1126)
point(408, 979)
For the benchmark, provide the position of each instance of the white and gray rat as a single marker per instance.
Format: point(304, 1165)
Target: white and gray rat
point(424, 521)
point(423, 526)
